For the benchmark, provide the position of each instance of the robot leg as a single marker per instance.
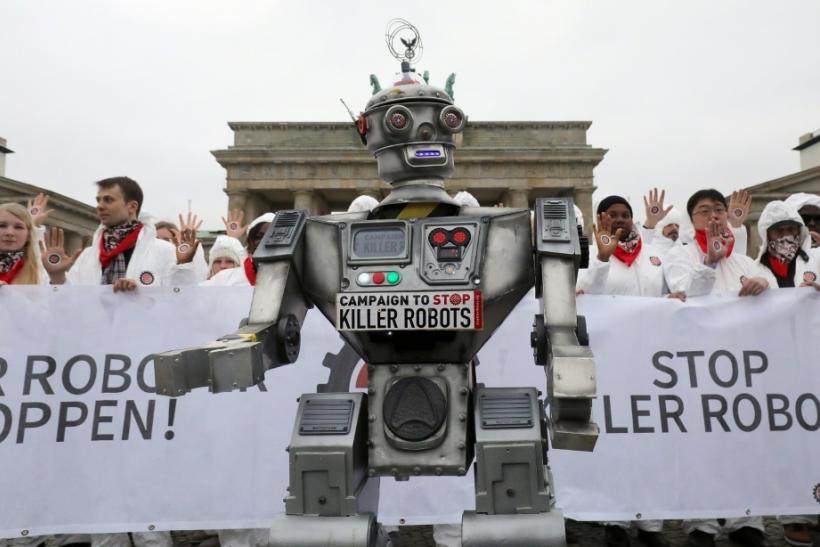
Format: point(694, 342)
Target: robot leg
point(331, 500)
point(514, 497)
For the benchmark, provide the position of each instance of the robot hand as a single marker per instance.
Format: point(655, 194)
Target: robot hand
point(235, 361)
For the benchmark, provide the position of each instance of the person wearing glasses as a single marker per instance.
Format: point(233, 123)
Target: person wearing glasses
point(712, 263)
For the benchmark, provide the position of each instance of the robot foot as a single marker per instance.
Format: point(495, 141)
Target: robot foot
point(316, 531)
point(517, 530)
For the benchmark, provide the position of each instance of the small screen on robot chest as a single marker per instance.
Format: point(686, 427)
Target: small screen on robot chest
point(384, 242)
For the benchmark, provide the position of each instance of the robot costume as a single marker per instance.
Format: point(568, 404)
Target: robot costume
point(416, 287)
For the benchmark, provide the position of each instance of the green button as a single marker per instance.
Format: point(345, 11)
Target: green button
point(393, 277)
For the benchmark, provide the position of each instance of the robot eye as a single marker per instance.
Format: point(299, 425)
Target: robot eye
point(398, 120)
point(452, 119)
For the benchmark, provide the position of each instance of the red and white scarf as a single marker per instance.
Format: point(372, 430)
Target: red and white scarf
point(11, 262)
point(629, 247)
point(250, 271)
point(113, 243)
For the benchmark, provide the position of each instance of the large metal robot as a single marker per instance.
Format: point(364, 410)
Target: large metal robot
point(416, 287)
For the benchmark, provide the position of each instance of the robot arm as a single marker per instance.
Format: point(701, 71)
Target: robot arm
point(271, 335)
point(559, 337)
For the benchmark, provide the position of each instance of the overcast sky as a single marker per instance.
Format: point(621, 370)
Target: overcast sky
point(684, 94)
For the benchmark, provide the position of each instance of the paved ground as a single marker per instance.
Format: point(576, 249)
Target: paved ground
point(585, 535)
point(592, 535)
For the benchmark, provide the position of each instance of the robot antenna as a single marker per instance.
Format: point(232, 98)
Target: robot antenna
point(404, 41)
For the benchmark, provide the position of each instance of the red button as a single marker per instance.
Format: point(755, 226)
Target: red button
point(378, 278)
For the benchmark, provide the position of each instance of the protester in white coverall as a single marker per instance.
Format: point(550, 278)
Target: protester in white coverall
point(244, 275)
point(786, 248)
point(669, 229)
point(786, 251)
point(227, 252)
point(808, 205)
point(126, 254)
point(622, 264)
point(124, 251)
point(711, 263)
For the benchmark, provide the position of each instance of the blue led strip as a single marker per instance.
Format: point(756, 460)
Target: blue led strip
point(427, 153)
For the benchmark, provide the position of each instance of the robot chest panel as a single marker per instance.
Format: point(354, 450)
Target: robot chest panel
point(402, 275)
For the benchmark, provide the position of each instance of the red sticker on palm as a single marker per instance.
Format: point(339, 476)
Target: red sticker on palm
point(233, 226)
point(655, 210)
point(183, 248)
point(738, 212)
point(605, 240)
point(34, 211)
point(54, 258)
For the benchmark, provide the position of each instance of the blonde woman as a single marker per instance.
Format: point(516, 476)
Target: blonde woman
point(19, 257)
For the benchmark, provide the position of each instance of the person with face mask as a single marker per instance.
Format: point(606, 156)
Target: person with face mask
point(787, 249)
point(808, 206)
point(711, 263)
point(621, 263)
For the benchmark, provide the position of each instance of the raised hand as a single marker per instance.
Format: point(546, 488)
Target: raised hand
point(55, 260)
point(739, 205)
point(37, 209)
point(234, 226)
point(605, 240)
point(186, 241)
point(717, 244)
point(653, 203)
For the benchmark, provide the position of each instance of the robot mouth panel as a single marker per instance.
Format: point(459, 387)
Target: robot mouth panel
point(424, 155)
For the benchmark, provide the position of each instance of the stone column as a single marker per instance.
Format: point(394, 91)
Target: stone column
point(518, 198)
point(303, 199)
point(73, 242)
point(583, 199)
point(237, 199)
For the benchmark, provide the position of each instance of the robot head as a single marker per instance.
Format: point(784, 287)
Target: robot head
point(410, 127)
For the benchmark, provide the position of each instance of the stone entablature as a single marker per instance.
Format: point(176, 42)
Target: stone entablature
point(323, 166)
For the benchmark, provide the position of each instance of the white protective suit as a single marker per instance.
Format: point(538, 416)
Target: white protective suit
point(685, 271)
point(153, 262)
point(643, 278)
point(779, 211)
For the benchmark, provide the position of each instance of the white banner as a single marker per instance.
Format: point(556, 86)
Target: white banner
point(86, 446)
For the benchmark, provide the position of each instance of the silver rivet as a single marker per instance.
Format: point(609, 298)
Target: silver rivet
point(440, 368)
point(176, 289)
point(372, 418)
point(417, 367)
point(394, 368)
point(151, 527)
point(637, 516)
point(23, 532)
